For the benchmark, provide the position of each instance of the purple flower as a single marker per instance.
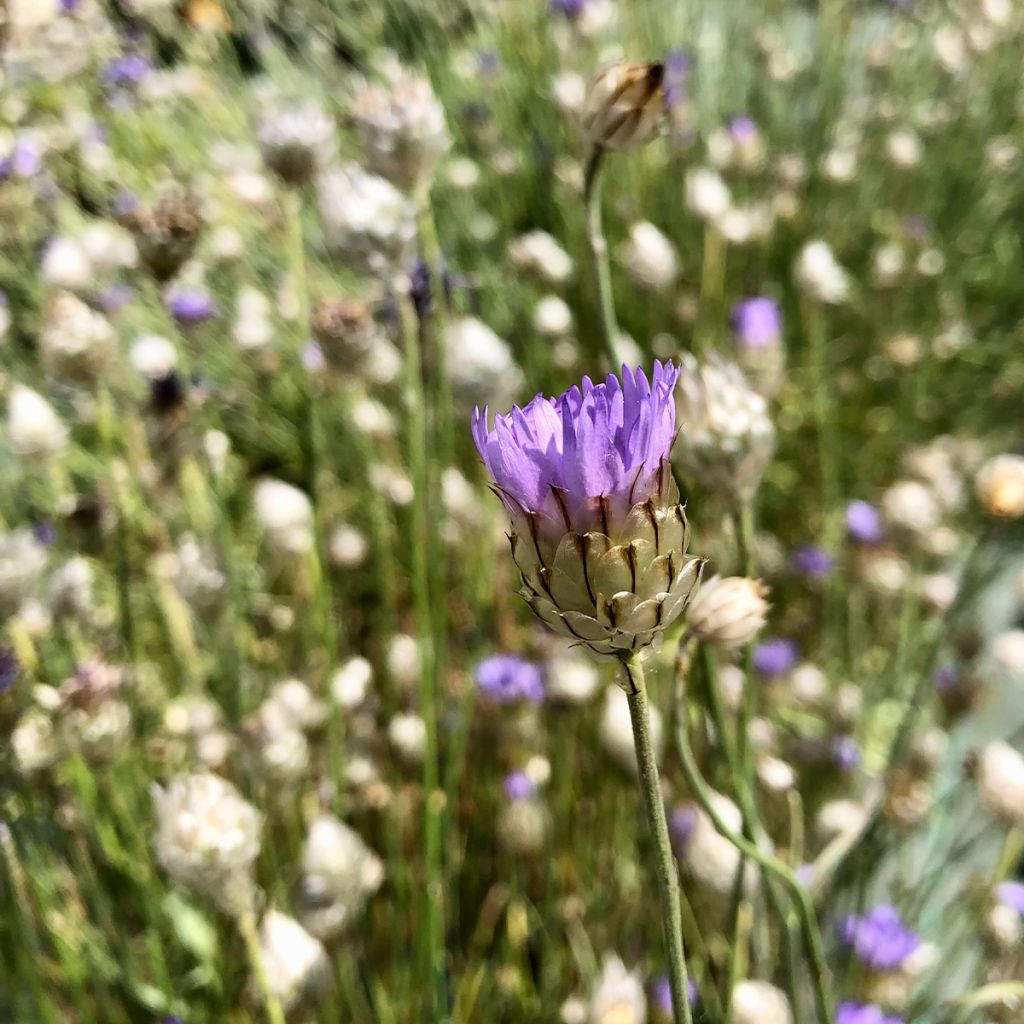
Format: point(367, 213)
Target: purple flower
point(864, 523)
point(662, 995)
point(126, 71)
point(681, 825)
point(945, 678)
point(519, 786)
point(879, 938)
point(846, 753)
point(509, 677)
point(9, 668)
point(743, 129)
point(1012, 895)
point(114, 298)
point(192, 306)
point(26, 160)
point(812, 561)
point(313, 357)
point(45, 533)
point(677, 71)
point(775, 657)
point(571, 9)
point(757, 322)
point(125, 202)
point(583, 460)
point(863, 1013)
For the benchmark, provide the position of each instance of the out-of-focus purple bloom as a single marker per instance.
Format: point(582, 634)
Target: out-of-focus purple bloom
point(519, 786)
point(509, 677)
point(812, 561)
point(681, 825)
point(124, 72)
point(743, 129)
point(114, 298)
point(917, 226)
point(662, 995)
point(69, 6)
point(583, 460)
point(1011, 894)
point(775, 657)
point(945, 678)
point(26, 160)
point(864, 523)
point(313, 357)
point(9, 668)
point(45, 533)
point(192, 306)
point(757, 322)
point(863, 1013)
point(879, 938)
point(125, 202)
point(846, 754)
point(804, 874)
point(571, 9)
point(677, 71)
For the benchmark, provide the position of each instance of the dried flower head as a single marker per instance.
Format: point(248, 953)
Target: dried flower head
point(624, 105)
point(728, 611)
point(166, 232)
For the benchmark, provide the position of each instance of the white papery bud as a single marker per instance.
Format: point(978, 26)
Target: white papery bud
point(572, 678)
point(207, 838)
point(910, 505)
point(67, 265)
point(839, 818)
point(839, 164)
point(347, 547)
point(34, 430)
point(523, 826)
point(1002, 927)
point(819, 274)
point(618, 995)
point(22, 562)
point(286, 516)
point(616, 730)
point(154, 357)
point(480, 363)
point(71, 589)
point(253, 328)
point(541, 253)
point(728, 611)
point(569, 91)
point(624, 105)
point(758, 1002)
point(999, 485)
point(707, 196)
point(339, 874)
point(108, 246)
point(999, 777)
point(295, 963)
point(649, 258)
point(299, 706)
point(33, 743)
point(351, 683)
point(887, 265)
point(709, 857)
point(76, 343)
point(903, 149)
point(552, 317)
point(407, 733)
point(403, 659)
point(296, 141)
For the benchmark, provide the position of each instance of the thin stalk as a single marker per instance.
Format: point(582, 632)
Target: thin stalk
point(422, 600)
point(668, 878)
point(249, 931)
point(770, 863)
point(599, 251)
point(712, 283)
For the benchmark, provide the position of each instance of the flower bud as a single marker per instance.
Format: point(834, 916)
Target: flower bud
point(286, 515)
point(296, 964)
point(999, 485)
point(296, 141)
point(819, 274)
point(166, 232)
point(624, 104)
point(758, 1002)
point(34, 430)
point(728, 611)
point(346, 332)
point(999, 776)
point(76, 343)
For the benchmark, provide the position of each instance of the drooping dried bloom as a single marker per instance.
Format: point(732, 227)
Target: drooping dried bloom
point(728, 611)
point(999, 777)
point(34, 430)
point(618, 995)
point(296, 964)
point(339, 874)
point(76, 343)
point(167, 231)
point(597, 531)
point(879, 938)
point(999, 485)
point(366, 220)
point(296, 141)
point(624, 105)
point(726, 437)
point(401, 128)
point(207, 838)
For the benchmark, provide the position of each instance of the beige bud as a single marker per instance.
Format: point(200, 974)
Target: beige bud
point(728, 611)
point(999, 486)
point(999, 775)
point(624, 105)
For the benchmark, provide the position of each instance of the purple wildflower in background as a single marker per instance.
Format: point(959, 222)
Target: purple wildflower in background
point(114, 298)
point(661, 993)
point(519, 786)
point(26, 160)
point(945, 678)
point(1011, 894)
point(586, 458)
point(45, 533)
point(680, 826)
point(9, 668)
point(743, 128)
point(775, 657)
point(509, 677)
point(863, 1013)
point(126, 71)
point(864, 523)
point(879, 939)
point(125, 202)
point(571, 9)
point(313, 357)
point(846, 754)
point(192, 306)
point(757, 322)
point(677, 71)
point(813, 562)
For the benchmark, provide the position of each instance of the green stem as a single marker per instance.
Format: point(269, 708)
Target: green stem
point(712, 283)
point(599, 250)
point(422, 600)
point(770, 863)
point(250, 934)
point(668, 877)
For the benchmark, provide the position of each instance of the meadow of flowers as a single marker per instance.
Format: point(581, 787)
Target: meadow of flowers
point(510, 511)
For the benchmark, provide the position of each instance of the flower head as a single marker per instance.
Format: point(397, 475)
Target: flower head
point(728, 612)
point(508, 677)
point(864, 523)
point(624, 105)
point(775, 657)
point(757, 322)
point(863, 1013)
point(879, 938)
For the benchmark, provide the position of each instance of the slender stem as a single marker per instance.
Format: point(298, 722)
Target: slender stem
point(250, 934)
point(668, 878)
point(433, 796)
point(712, 282)
point(808, 921)
point(599, 250)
